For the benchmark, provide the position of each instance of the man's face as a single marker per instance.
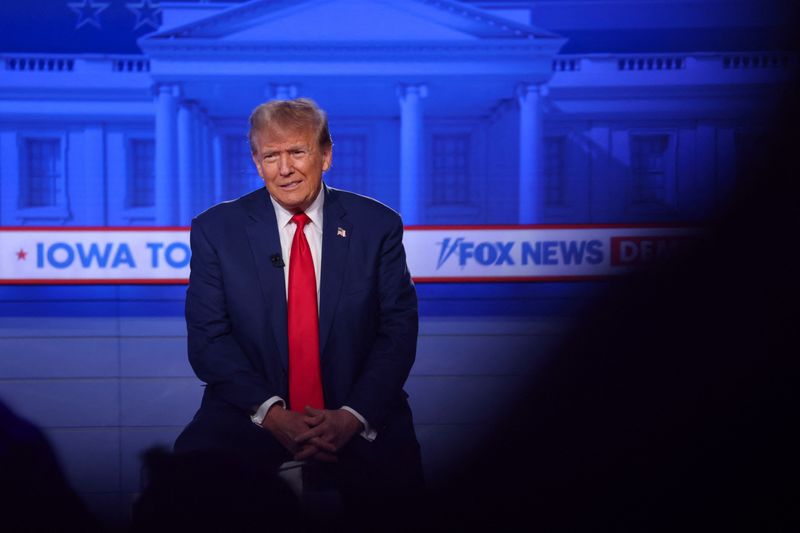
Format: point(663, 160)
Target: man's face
point(291, 163)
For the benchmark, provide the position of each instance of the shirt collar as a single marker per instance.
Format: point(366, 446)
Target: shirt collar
point(314, 211)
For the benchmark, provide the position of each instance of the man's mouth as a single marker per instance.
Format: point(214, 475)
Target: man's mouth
point(291, 185)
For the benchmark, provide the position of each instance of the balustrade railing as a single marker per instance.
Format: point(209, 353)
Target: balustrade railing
point(74, 63)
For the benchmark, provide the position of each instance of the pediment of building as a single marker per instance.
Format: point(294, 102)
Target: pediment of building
point(350, 21)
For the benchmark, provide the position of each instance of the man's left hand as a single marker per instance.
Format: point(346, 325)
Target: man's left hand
point(329, 430)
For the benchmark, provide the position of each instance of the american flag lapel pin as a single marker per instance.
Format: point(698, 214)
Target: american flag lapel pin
point(340, 232)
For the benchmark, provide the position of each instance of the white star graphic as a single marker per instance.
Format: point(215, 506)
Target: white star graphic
point(88, 12)
point(147, 12)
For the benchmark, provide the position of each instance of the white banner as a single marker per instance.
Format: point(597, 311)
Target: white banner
point(94, 255)
point(435, 253)
point(536, 253)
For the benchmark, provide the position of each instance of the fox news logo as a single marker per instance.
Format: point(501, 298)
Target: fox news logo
point(513, 253)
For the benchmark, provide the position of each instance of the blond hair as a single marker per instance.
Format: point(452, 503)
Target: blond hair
point(299, 114)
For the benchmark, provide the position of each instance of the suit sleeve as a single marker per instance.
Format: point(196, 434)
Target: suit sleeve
point(214, 353)
point(380, 384)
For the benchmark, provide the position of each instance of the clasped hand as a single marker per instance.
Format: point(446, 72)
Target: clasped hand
point(316, 434)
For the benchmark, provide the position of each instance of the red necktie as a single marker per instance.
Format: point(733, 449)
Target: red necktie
point(305, 380)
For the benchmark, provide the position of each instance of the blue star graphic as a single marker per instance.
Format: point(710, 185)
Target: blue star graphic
point(147, 12)
point(88, 12)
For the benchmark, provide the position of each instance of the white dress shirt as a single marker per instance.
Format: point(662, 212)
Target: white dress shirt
point(313, 233)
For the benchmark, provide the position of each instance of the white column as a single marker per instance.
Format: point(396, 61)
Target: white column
point(410, 97)
point(219, 189)
point(199, 181)
point(198, 175)
point(186, 160)
point(207, 161)
point(530, 150)
point(166, 143)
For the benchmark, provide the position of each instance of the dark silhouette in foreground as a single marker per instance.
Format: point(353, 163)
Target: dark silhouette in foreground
point(34, 494)
point(673, 403)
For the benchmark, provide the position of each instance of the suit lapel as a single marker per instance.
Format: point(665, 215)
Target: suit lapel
point(262, 233)
point(335, 244)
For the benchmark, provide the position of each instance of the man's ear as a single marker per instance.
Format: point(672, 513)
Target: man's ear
point(258, 167)
point(327, 158)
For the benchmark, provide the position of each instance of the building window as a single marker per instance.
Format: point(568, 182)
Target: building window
point(450, 176)
point(554, 171)
point(349, 169)
point(240, 176)
point(141, 174)
point(649, 168)
point(43, 175)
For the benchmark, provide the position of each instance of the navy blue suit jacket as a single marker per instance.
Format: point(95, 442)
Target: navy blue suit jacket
point(368, 321)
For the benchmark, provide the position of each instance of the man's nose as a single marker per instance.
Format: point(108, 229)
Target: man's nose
point(285, 165)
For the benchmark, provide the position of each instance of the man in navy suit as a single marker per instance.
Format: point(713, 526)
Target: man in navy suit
point(236, 315)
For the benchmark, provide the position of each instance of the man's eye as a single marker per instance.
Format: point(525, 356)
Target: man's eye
point(270, 157)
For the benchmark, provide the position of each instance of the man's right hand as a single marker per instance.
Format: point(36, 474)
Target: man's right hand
point(285, 425)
